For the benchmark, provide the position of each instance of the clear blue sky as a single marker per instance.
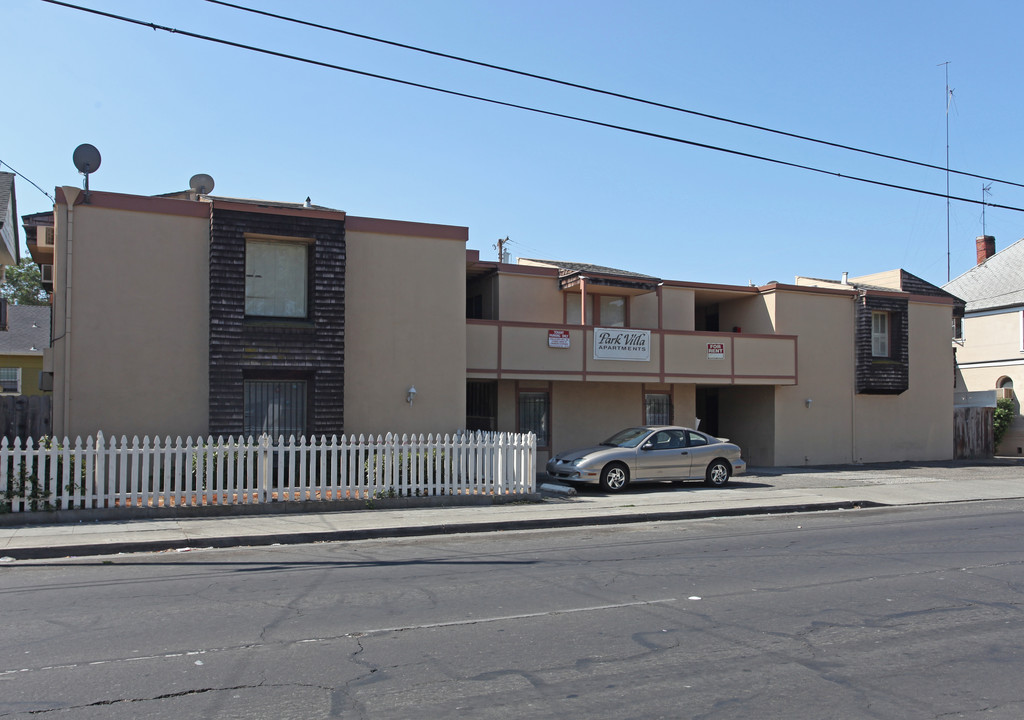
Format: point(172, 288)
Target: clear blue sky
point(162, 107)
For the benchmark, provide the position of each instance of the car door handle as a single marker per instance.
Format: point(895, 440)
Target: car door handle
point(684, 452)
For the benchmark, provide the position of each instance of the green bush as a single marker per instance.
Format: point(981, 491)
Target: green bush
point(1003, 418)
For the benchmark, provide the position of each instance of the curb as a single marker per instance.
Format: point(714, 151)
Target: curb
point(115, 548)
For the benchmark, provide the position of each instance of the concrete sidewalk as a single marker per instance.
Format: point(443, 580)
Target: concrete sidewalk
point(760, 491)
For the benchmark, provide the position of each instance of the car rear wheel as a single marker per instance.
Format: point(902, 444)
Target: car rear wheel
point(718, 473)
point(614, 477)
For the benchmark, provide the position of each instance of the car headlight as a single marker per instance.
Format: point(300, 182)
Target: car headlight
point(577, 462)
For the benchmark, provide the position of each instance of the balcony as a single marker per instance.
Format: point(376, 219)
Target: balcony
point(520, 351)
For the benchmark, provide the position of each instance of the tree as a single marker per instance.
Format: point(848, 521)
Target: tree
point(23, 284)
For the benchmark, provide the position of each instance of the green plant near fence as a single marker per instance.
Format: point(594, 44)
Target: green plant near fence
point(38, 484)
point(404, 467)
point(1002, 419)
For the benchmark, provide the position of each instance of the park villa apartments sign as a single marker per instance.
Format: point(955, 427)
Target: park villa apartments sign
point(620, 344)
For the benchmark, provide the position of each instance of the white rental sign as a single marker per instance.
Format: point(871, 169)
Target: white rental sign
point(622, 344)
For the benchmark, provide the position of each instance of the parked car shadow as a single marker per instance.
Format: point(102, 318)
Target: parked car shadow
point(667, 486)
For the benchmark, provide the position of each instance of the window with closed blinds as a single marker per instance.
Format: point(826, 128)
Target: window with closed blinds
point(10, 380)
point(880, 334)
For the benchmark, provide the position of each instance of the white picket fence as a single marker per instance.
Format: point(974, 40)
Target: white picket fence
point(201, 472)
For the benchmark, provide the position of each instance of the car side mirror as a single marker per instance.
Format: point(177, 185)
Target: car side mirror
point(648, 446)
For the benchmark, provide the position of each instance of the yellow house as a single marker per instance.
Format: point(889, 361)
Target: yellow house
point(989, 340)
point(22, 342)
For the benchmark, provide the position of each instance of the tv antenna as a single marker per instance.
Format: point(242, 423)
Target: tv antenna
point(949, 101)
point(201, 184)
point(87, 159)
point(986, 190)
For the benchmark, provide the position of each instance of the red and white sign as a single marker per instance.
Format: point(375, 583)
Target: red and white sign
point(716, 351)
point(558, 338)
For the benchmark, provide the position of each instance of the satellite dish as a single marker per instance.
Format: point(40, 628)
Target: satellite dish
point(86, 158)
point(201, 184)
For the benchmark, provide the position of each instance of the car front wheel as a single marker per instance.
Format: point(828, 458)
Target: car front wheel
point(614, 477)
point(718, 473)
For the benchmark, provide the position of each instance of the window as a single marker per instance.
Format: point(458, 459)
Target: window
point(534, 416)
point(657, 409)
point(275, 279)
point(573, 309)
point(275, 407)
point(481, 405)
point(958, 328)
point(879, 334)
point(613, 311)
point(10, 380)
point(694, 439)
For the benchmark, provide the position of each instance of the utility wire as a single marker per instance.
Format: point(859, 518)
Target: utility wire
point(28, 181)
point(527, 108)
point(609, 93)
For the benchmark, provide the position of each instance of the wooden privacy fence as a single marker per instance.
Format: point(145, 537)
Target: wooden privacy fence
point(152, 473)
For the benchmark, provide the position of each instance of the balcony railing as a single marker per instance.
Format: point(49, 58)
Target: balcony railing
point(527, 351)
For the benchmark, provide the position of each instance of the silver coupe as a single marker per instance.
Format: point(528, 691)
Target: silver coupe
point(650, 453)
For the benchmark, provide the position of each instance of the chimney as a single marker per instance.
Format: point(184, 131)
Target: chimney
point(986, 247)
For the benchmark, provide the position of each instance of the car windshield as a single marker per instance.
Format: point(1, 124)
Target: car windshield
point(630, 437)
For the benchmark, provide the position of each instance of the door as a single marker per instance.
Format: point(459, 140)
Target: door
point(663, 456)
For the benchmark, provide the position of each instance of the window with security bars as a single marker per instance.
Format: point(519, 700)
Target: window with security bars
point(275, 407)
point(534, 414)
point(657, 409)
point(10, 380)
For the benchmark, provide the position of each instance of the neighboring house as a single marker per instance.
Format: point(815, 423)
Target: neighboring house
point(815, 372)
point(22, 344)
point(10, 245)
point(192, 315)
point(989, 340)
point(195, 315)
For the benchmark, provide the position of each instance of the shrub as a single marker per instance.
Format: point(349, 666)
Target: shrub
point(1003, 418)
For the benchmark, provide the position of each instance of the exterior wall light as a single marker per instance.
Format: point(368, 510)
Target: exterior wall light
point(807, 402)
point(410, 395)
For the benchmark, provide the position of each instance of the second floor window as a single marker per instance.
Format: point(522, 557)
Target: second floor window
point(275, 279)
point(880, 334)
point(613, 311)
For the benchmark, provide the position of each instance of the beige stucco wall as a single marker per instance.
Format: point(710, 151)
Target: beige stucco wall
point(821, 433)
point(139, 284)
point(677, 308)
point(643, 311)
point(405, 306)
point(751, 315)
point(918, 424)
point(842, 426)
point(529, 298)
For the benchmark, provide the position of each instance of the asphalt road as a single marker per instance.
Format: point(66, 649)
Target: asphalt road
point(896, 613)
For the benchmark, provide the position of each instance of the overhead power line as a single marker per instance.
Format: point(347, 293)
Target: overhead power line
point(29, 181)
point(517, 106)
point(609, 93)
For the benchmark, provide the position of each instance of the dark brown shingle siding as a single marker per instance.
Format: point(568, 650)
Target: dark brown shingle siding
point(314, 349)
